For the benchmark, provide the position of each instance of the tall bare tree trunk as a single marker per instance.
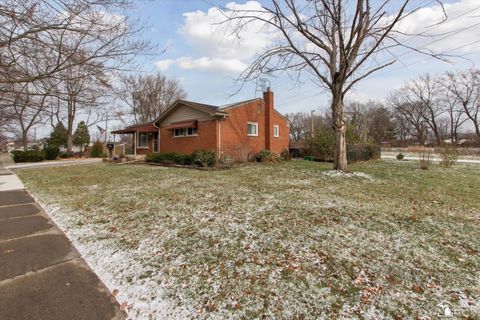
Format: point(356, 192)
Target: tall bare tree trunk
point(71, 117)
point(25, 140)
point(340, 152)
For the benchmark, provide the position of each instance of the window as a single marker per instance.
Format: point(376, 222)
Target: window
point(276, 130)
point(191, 131)
point(142, 139)
point(185, 132)
point(252, 129)
point(179, 132)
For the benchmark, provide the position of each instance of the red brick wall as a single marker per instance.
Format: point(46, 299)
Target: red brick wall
point(233, 137)
point(234, 140)
point(206, 139)
point(281, 143)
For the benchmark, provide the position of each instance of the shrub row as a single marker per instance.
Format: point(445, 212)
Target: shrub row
point(204, 158)
point(269, 156)
point(170, 157)
point(28, 156)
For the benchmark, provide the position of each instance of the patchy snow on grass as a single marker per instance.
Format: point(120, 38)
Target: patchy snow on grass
point(341, 174)
point(273, 241)
point(138, 288)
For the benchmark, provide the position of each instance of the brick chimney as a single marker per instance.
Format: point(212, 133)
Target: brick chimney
point(268, 99)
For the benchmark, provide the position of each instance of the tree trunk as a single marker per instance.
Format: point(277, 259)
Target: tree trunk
point(25, 140)
point(70, 119)
point(69, 137)
point(438, 136)
point(477, 132)
point(340, 151)
point(453, 133)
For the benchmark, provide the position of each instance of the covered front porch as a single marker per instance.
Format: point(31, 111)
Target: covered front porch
point(145, 138)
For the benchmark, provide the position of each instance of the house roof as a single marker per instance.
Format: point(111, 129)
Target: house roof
point(220, 111)
point(146, 126)
point(236, 104)
point(207, 108)
point(240, 103)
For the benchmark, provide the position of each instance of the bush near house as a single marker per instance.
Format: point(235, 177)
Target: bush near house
point(51, 153)
point(204, 158)
point(66, 154)
point(267, 156)
point(97, 150)
point(28, 156)
point(169, 158)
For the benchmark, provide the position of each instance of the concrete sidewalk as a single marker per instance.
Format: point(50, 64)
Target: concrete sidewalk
point(55, 163)
point(472, 161)
point(9, 181)
point(42, 276)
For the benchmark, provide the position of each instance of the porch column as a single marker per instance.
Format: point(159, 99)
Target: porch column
point(135, 143)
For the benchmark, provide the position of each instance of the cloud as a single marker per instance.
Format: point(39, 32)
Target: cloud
point(216, 65)
point(164, 64)
point(213, 46)
point(212, 64)
point(217, 48)
point(210, 34)
point(438, 35)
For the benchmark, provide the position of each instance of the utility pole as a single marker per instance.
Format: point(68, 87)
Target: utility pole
point(311, 119)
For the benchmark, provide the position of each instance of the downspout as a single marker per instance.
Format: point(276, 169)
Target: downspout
point(158, 142)
point(219, 139)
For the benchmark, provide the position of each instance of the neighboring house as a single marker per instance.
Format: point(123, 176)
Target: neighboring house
point(236, 130)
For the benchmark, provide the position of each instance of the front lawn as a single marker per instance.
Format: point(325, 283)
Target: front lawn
point(282, 241)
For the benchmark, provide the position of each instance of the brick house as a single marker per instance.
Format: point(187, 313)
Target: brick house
point(236, 130)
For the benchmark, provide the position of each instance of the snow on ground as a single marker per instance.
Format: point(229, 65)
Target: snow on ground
point(119, 268)
point(340, 174)
point(280, 241)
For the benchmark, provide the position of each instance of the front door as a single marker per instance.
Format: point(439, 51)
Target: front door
point(155, 142)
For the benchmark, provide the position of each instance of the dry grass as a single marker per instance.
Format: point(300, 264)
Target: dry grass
point(289, 240)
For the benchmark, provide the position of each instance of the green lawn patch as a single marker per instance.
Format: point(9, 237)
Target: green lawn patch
point(281, 241)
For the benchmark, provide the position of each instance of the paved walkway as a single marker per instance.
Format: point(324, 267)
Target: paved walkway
point(56, 163)
point(42, 276)
point(434, 159)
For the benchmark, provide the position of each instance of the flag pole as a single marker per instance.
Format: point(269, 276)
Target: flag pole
point(106, 127)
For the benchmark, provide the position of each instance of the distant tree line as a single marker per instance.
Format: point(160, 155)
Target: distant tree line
point(426, 110)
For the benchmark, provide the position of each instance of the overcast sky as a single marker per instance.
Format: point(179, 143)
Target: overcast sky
point(207, 60)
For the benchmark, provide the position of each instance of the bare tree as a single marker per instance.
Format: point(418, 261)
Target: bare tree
point(464, 86)
point(456, 116)
point(79, 90)
point(333, 40)
point(147, 96)
point(40, 38)
point(371, 121)
point(423, 94)
point(298, 124)
point(408, 117)
point(27, 106)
